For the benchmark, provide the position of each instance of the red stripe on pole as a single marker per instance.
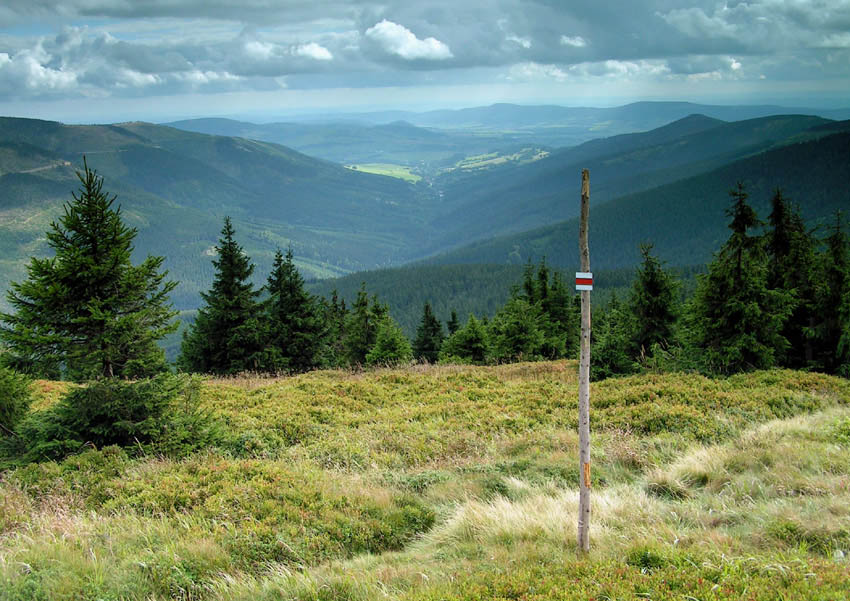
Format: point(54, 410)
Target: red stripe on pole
point(584, 281)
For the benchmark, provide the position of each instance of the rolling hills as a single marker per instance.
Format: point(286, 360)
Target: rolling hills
point(176, 187)
point(517, 198)
point(685, 220)
point(667, 185)
point(398, 142)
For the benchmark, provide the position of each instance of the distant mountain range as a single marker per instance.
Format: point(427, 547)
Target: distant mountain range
point(668, 185)
point(685, 219)
point(377, 136)
point(176, 187)
point(517, 198)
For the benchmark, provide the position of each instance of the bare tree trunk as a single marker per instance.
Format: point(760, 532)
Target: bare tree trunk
point(584, 378)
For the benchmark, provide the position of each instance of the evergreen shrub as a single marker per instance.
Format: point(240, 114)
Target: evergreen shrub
point(15, 400)
point(161, 415)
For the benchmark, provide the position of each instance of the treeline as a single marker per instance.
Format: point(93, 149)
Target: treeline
point(282, 328)
point(480, 289)
point(773, 296)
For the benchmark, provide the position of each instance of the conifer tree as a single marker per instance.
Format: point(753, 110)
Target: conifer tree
point(453, 324)
point(529, 286)
point(541, 291)
point(361, 326)
point(737, 320)
point(294, 325)
point(652, 305)
point(391, 345)
point(561, 323)
point(610, 351)
point(791, 268)
point(429, 337)
point(334, 314)
point(227, 336)
point(470, 344)
point(516, 332)
point(833, 302)
point(88, 310)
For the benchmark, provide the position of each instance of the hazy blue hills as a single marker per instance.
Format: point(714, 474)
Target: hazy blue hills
point(668, 185)
point(685, 219)
point(175, 187)
point(344, 142)
point(436, 139)
point(516, 198)
point(569, 126)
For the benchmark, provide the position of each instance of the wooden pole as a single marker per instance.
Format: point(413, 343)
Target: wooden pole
point(584, 377)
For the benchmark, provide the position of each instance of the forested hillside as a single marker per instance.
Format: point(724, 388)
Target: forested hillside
point(479, 289)
point(176, 186)
point(684, 220)
point(516, 198)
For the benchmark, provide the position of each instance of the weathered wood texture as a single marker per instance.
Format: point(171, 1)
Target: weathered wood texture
point(584, 377)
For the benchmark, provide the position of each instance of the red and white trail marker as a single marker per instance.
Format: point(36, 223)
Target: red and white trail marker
point(584, 280)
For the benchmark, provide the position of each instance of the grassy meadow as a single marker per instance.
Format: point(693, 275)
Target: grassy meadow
point(387, 169)
point(454, 483)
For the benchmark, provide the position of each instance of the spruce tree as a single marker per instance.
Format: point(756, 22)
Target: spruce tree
point(295, 328)
point(652, 305)
point(227, 336)
point(737, 319)
point(361, 326)
point(334, 314)
point(833, 302)
point(470, 344)
point(529, 286)
point(516, 332)
point(610, 350)
point(453, 324)
point(791, 268)
point(391, 345)
point(429, 337)
point(561, 322)
point(88, 310)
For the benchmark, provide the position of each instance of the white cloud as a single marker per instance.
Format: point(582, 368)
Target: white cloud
point(28, 70)
point(536, 72)
point(524, 42)
point(836, 40)
point(695, 23)
point(399, 40)
point(259, 50)
point(574, 41)
point(314, 51)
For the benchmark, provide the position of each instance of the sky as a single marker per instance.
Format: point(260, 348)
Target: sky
point(117, 60)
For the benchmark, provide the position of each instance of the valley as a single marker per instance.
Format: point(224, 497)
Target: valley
point(489, 198)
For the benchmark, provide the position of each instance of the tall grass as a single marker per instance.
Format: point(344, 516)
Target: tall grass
point(454, 483)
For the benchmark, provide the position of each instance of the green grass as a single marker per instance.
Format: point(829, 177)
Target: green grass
point(389, 170)
point(484, 161)
point(456, 483)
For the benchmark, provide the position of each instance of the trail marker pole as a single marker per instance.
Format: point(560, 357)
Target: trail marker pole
point(584, 283)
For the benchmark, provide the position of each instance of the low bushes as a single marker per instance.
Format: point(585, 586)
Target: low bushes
point(15, 400)
point(161, 415)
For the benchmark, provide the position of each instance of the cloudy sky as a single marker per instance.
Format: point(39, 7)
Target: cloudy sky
point(110, 60)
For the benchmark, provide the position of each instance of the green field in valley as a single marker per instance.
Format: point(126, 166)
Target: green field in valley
point(389, 170)
point(447, 482)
